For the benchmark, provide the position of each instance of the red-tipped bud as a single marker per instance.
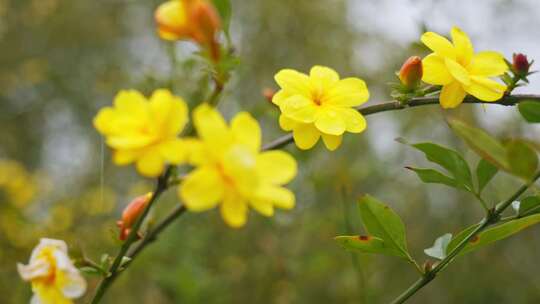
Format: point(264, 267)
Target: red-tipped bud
point(268, 94)
point(410, 73)
point(131, 213)
point(520, 64)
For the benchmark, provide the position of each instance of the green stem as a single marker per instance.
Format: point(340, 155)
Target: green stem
point(493, 217)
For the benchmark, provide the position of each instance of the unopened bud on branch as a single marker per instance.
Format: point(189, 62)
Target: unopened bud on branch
point(520, 64)
point(410, 73)
point(131, 213)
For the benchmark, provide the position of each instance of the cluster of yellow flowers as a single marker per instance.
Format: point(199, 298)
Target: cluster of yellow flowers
point(229, 168)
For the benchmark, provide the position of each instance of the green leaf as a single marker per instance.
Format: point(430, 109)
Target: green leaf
point(224, 9)
point(382, 222)
point(438, 250)
point(530, 110)
point(529, 205)
point(482, 143)
point(459, 237)
point(522, 159)
point(434, 177)
point(90, 271)
point(496, 233)
point(485, 171)
point(367, 244)
point(448, 159)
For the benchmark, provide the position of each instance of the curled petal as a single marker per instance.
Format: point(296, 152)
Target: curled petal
point(276, 167)
point(299, 108)
point(457, 71)
point(306, 136)
point(435, 70)
point(439, 44)
point(487, 64)
point(202, 189)
point(332, 142)
point(452, 95)
point(330, 121)
point(246, 130)
point(348, 92)
point(293, 82)
point(485, 89)
point(463, 45)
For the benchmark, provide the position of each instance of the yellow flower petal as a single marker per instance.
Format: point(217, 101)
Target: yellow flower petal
point(293, 82)
point(299, 108)
point(435, 70)
point(129, 141)
point(202, 189)
point(439, 44)
point(325, 73)
point(306, 136)
point(278, 196)
point(487, 64)
point(211, 127)
point(348, 92)
point(246, 130)
point(457, 71)
point(102, 121)
point(174, 151)
point(276, 167)
point(124, 157)
point(354, 121)
point(44, 293)
point(286, 124)
point(452, 95)
point(264, 207)
point(130, 101)
point(234, 210)
point(330, 121)
point(240, 164)
point(485, 89)
point(169, 111)
point(151, 164)
point(332, 142)
point(278, 98)
point(462, 45)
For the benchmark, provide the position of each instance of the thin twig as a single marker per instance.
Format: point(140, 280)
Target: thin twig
point(493, 217)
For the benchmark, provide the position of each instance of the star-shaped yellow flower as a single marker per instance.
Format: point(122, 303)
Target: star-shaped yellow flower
point(319, 105)
point(460, 71)
point(145, 131)
point(232, 172)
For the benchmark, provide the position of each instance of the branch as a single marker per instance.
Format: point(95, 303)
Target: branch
point(493, 217)
point(509, 100)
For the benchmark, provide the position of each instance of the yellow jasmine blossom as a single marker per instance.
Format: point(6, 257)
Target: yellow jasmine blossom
point(460, 71)
point(54, 278)
point(232, 171)
point(144, 131)
point(319, 105)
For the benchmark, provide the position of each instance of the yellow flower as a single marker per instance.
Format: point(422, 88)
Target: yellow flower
point(54, 278)
point(319, 105)
point(460, 71)
point(231, 169)
point(144, 131)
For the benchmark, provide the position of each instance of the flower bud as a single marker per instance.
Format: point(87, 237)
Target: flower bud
point(410, 73)
point(205, 21)
point(172, 20)
point(268, 94)
point(131, 213)
point(520, 64)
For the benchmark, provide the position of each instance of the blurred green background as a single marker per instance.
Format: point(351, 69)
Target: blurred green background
point(61, 60)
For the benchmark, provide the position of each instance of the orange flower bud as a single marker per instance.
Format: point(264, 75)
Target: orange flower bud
point(268, 94)
point(410, 73)
point(195, 20)
point(131, 213)
point(520, 64)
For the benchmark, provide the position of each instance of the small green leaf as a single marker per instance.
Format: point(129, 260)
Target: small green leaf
point(224, 9)
point(382, 222)
point(367, 244)
point(449, 160)
point(482, 143)
point(90, 271)
point(496, 233)
point(522, 159)
point(459, 237)
point(434, 177)
point(530, 110)
point(438, 250)
point(529, 205)
point(485, 171)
